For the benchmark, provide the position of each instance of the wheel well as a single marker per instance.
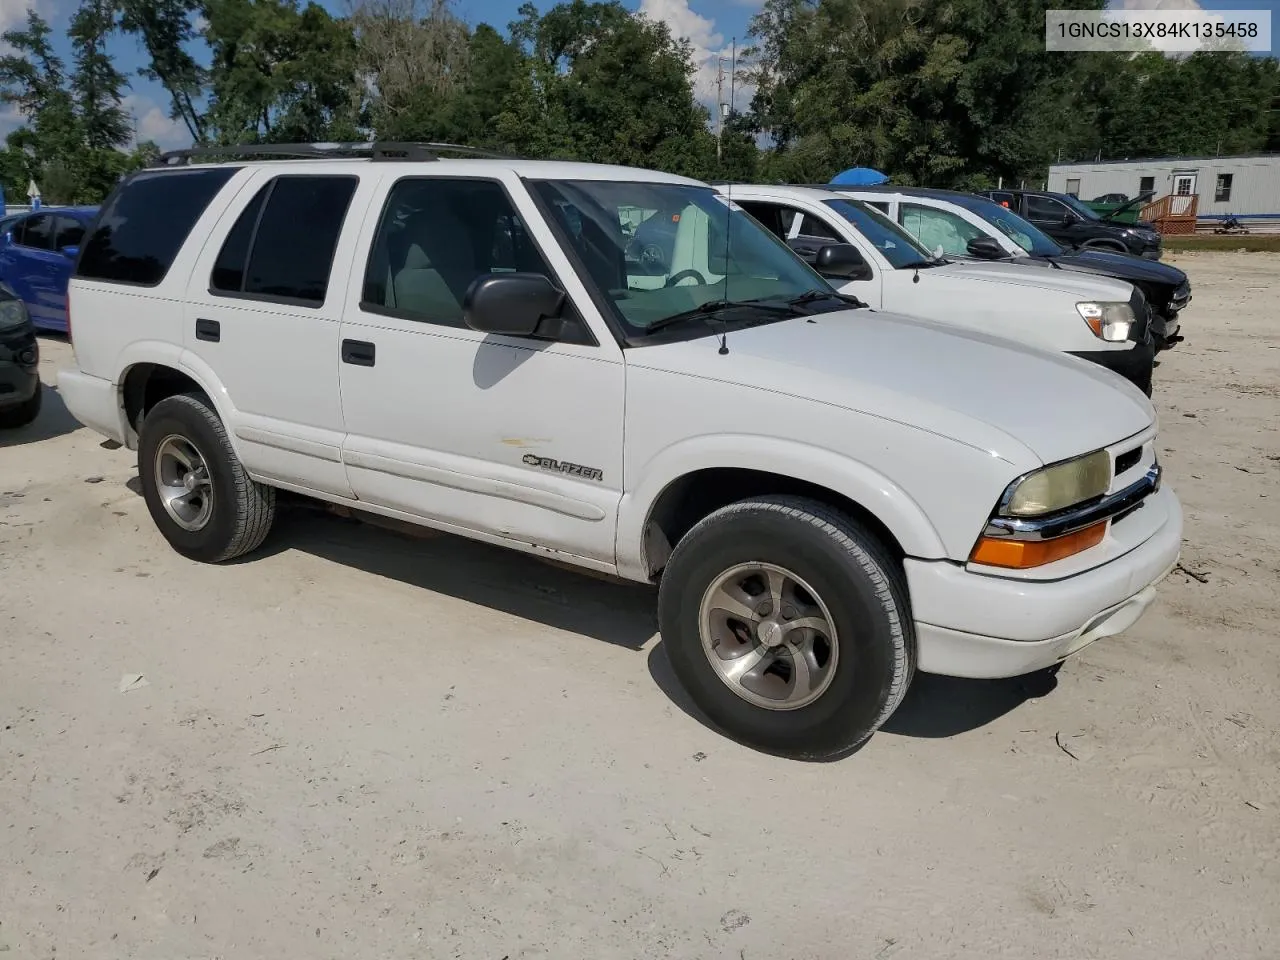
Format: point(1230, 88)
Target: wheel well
point(146, 384)
point(690, 498)
point(1106, 244)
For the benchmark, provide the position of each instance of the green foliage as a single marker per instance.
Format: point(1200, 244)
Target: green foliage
point(960, 92)
point(939, 92)
point(280, 73)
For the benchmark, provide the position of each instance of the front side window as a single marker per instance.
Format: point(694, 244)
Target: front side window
point(895, 244)
point(435, 238)
point(36, 233)
point(1026, 235)
point(718, 254)
point(938, 229)
point(1045, 209)
point(139, 232)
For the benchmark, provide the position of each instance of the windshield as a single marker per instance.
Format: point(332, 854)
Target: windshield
point(895, 244)
point(654, 251)
point(1025, 234)
point(1075, 204)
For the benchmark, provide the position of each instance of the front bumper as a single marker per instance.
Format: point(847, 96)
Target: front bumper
point(972, 624)
point(1135, 364)
point(19, 360)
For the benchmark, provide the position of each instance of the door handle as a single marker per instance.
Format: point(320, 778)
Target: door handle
point(209, 330)
point(359, 353)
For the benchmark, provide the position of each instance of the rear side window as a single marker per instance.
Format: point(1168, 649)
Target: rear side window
point(282, 245)
point(142, 227)
point(70, 233)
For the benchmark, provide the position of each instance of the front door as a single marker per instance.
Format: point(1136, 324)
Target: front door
point(504, 437)
point(1054, 218)
point(29, 264)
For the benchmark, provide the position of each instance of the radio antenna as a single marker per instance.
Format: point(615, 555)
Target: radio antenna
point(728, 193)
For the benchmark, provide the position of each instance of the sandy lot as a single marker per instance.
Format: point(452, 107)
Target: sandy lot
point(361, 745)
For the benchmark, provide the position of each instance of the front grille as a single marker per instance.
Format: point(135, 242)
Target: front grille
point(1138, 303)
point(1127, 461)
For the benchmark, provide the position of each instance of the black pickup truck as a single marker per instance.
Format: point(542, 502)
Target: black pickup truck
point(1076, 227)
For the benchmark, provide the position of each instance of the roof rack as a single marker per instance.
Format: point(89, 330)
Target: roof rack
point(378, 150)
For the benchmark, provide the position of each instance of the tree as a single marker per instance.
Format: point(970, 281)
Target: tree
point(280, 73)
point(164, 28)
point(414, 54)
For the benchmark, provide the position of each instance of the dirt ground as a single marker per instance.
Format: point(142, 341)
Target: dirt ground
point(361, 745)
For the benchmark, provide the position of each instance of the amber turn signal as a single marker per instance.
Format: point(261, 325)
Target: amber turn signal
point(1024, 554)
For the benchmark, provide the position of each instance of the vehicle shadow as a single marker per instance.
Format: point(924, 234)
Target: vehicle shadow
point(935, 707)
point(595, 606)
point(54, 420)
point(524, 586)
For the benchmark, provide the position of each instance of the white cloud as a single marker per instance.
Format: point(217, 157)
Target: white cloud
point(154, 123)
point(708, 46)
point(1116, 9)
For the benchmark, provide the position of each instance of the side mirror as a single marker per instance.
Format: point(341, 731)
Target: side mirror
point(1068, 219)
point(514, 304)
point(71, 252)
point(985, 248)
point(841, 261)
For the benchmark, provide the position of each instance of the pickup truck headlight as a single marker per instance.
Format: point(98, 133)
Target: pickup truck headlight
point(1108, 321)
point(1016, 539)
point(13, 313)
point(1055, 488)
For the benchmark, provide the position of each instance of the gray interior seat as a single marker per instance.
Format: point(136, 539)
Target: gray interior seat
point(439, 266)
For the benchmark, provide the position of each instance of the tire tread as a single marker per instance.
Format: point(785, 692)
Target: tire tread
point(255, 503)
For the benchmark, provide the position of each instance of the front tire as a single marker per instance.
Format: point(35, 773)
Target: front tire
point(787, 622)
point(23, 413)
point(196, 489)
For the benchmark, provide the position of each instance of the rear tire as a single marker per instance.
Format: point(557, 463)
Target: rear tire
point(809, 692)
point(23, 413)
point(196, 489)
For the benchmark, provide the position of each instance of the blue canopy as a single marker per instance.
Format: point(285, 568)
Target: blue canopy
point(860, 177)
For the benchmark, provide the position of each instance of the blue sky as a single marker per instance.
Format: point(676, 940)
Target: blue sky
point(709, 25)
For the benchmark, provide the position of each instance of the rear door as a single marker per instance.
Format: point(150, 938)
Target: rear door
point(264, 304)
point(68, 232)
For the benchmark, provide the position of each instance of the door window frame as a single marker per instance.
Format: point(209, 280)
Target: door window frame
point(270, 185)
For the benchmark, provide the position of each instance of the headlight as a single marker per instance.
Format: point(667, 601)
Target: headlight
point(13, 313)
point(1108, 321)
point(1057, 487)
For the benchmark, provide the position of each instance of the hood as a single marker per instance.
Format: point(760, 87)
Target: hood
point(1076, 284)
point(1123, 266)
point(1127, 205)
point(992, 394)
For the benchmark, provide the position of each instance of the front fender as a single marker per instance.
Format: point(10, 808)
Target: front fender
point(867, 487)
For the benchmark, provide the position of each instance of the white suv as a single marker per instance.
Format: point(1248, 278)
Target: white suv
point(830, 498)
point(1096, 318)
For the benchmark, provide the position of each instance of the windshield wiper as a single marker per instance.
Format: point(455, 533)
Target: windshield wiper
point(810, 296)
point(704, 311)
point(922, 264)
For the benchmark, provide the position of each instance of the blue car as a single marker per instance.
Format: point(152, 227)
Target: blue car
point(37, 253)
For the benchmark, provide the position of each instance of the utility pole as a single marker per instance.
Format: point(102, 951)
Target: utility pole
point(723, 108)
